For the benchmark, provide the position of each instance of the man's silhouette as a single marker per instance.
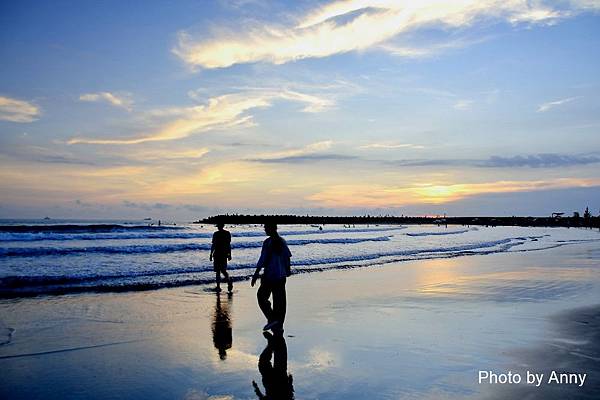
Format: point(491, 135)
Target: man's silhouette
point(220, 252)
point(275, 378)
point(275, 260)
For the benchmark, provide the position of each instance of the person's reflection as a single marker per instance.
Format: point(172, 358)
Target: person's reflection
point(221, 327)
point(275, 378)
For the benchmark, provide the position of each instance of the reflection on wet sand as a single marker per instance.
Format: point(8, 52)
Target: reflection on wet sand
point(221, 326)
point(277, 382)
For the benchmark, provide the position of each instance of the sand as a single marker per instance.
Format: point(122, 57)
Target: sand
point(420, 329)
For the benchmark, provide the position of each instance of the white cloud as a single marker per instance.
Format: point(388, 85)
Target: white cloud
point(14, 110)
point(551, 104)
point(117, 100)
point(221, 112)
point(354, 25)
point(311, 148)
point(389, 146)
point(463, 105)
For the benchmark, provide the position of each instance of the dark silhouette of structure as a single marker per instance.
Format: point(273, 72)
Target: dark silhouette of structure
point(220, 252)
point(277, 382)
point(222, 332)
point(275, 259)
point(553, 221)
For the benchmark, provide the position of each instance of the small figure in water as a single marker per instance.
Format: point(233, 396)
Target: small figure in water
point(220, 252)
point(275, 259)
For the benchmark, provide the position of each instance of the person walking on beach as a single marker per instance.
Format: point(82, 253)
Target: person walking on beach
point(275, 259)
point(220, 252)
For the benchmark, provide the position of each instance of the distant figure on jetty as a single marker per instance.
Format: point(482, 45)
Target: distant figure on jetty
point(275, 259)
point(275, 378)
point(220, 252)
point(221, 328)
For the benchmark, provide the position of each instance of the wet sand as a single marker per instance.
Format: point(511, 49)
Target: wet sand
point(420, 329)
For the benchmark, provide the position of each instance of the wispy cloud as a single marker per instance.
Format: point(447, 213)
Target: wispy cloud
point(21, 111)
point(551, 104)
point(541, 161)
point(221, 112)
point(344, 26)
point(424, 50)
point(306, 158)
point(122, 100)
point(463, 105)
point(312, 151)
point(390, 146)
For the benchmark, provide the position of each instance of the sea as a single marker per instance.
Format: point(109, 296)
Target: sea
point(57, 257)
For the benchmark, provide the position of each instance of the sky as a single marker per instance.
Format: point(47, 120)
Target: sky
point(180, 110)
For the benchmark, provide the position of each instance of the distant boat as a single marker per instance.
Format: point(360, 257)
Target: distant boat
point(147, 219)
point(47, 218)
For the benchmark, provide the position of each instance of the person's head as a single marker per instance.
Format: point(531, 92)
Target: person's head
point(271, 229)
point(220, 226)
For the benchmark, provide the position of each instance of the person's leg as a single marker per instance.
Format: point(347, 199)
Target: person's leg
point(218, 278)
point(279, 301)
point(227, 279)
point(262, 295)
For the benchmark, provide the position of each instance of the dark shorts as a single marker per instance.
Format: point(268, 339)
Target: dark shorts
point(219, 263)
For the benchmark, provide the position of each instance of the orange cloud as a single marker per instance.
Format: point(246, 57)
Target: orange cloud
point(431, 193)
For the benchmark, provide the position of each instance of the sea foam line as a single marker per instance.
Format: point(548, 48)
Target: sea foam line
point(166, 248)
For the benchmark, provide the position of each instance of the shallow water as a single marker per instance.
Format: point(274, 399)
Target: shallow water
point(415, 329)
point(101, 257)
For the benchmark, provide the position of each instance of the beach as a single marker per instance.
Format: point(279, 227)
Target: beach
point(420, 328)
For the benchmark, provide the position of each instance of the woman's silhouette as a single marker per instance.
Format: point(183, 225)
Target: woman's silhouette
point(275, 259)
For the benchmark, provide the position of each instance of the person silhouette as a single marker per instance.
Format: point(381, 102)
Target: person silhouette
point(220, 252)
point(275, 378)
point(221, 328)
point(275, 259)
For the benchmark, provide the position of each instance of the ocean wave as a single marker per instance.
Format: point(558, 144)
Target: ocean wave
point(17, 286)
point(151, 233)
point(166, 248)
point(438, 233)
point(96, 228)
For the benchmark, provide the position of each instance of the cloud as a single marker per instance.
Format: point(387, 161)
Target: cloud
point(169, 154)
point(355, 25)
point(548, 160)
point(390, 146)
point(21, 111)
point(146, 206)
point(309, 153)
point(430, 49)
point(547, 106)
point(314, 104)
point(383, 196)
point(41, 154)
point(306, 158)
point(463, 105)
point(117, 100)
point(221, 112)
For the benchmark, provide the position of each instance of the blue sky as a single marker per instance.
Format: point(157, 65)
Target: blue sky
point(180, 110)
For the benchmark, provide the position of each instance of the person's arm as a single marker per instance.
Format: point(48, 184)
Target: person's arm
point(212, 248)
point(260, 263)
point(288, 262)
point(229, 247)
